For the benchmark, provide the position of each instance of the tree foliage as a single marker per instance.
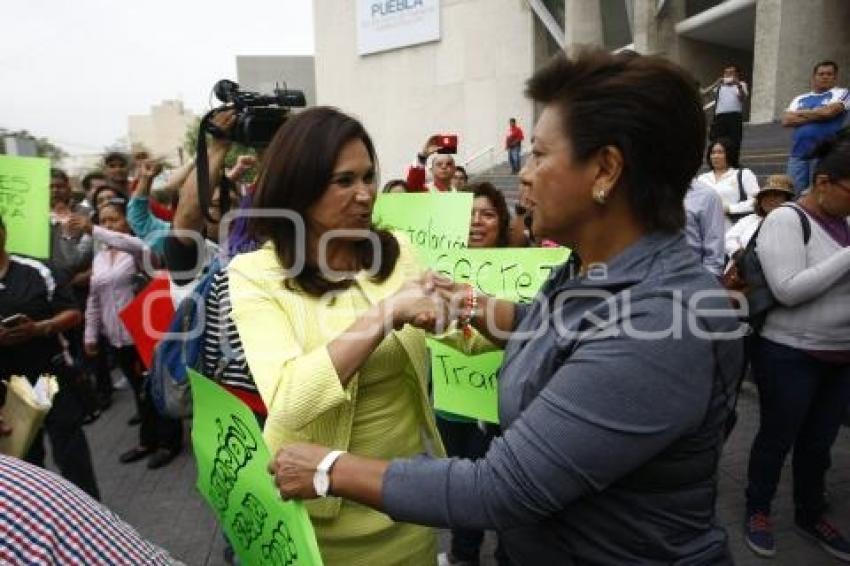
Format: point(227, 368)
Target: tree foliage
point(43, 146)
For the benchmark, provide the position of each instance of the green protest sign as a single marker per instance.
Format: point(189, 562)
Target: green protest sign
point(434, 222)
point(232, 477)
point(468, 385)
point(25, 204)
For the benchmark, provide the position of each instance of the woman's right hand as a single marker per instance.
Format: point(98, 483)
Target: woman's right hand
point(80, 224)
point(91, 350)
point(418, 305)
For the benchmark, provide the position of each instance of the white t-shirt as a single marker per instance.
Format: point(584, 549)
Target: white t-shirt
point(727, 187)
point(739, 235)
point(810, 281)
point(728, 99)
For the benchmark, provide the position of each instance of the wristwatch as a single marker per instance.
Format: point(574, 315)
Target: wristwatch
point(322, 478)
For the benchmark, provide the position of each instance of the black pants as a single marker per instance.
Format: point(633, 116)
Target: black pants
point(101, 368)
point(64, 428)
point(802, 402)
point(155, 430)
point(467, 440)
point(728, 125)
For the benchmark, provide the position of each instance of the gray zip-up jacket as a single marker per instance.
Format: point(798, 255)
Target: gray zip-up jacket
point(614, 396)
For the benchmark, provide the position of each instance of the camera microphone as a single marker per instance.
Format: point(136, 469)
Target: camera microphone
point(226, 90)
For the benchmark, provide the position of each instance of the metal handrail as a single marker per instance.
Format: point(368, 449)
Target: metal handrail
point(478, 155)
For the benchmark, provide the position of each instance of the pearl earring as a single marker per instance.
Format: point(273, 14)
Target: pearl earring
point(599, 196)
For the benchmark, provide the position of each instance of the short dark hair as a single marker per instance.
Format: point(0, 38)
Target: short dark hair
point(733, 157)
point(297, 169)
point(732, 66)
point(462, 169)
point(647, 107)
point(86, 182)
point(116, 156)
point(56, 173)
point(833, 155)
point(826, 63)
point(489, 191)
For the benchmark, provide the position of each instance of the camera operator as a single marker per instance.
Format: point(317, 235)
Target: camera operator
point(35, 311)
point(442, 169)
point(182, 253)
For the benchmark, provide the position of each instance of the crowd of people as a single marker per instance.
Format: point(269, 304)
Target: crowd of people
point(586, 464)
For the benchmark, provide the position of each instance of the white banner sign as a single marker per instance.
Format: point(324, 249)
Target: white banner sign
point(389, 24)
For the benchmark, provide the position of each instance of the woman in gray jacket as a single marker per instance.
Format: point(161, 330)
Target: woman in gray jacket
point(618, 379)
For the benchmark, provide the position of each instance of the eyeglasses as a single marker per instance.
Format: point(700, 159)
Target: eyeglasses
point(520, 210)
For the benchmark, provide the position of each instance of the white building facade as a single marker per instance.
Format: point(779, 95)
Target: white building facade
point(163, 131)
point(386, 62)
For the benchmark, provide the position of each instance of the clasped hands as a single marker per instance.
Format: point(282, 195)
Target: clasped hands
point(431, 302)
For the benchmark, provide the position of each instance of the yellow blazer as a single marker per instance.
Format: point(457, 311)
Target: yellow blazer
point(285, 335)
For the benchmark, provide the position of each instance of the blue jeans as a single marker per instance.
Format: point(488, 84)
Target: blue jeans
point(515, 158)
point(802, 172)
point(801, 403)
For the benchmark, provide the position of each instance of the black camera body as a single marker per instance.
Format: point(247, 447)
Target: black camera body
point(257, 116)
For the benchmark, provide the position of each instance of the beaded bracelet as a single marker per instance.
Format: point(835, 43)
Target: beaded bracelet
point(470, 310)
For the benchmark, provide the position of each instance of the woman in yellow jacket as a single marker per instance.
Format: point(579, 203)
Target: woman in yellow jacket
point(323, 311)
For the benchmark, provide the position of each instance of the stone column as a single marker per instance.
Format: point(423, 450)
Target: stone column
point(792, 36)
point(583, 23)
point(766, 66)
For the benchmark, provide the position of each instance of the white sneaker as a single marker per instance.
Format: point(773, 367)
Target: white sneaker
point(119, 380)
point(444, 560)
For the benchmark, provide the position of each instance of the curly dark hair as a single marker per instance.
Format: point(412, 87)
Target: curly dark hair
point(497, 199)
point(647, 107)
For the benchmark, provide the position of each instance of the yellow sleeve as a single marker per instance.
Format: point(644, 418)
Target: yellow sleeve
point(297, 384)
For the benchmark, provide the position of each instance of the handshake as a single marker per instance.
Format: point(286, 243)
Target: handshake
point(432, 303)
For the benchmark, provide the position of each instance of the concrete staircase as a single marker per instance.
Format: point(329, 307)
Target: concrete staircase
point(765, 152)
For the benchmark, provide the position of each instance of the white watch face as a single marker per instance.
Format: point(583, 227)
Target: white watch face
point(321, 483)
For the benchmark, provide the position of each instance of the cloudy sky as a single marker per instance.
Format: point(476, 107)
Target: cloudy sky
point(72, 71)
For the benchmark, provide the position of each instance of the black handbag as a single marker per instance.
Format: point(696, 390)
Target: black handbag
point(742, 196)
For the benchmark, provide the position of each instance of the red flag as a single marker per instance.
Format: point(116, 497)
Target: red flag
point(148, 317)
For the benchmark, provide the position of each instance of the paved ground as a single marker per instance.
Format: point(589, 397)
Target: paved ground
point(164, 506)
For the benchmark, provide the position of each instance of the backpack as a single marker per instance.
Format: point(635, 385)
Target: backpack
point(180, 349)
point(750, 274)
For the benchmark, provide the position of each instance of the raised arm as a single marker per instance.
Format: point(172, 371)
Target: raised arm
point(179, 175)
point(189, 216)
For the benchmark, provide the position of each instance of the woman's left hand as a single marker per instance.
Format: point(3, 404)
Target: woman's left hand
point(293, 468)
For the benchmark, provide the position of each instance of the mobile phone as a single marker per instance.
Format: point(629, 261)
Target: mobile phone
point(13, 321)
point(447, 143)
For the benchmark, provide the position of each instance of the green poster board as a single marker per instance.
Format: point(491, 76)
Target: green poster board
point(468, 385)
point(25, 204)
point(232, 477)
point(434, 222)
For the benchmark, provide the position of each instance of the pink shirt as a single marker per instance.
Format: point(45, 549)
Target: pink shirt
point(111, 287)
